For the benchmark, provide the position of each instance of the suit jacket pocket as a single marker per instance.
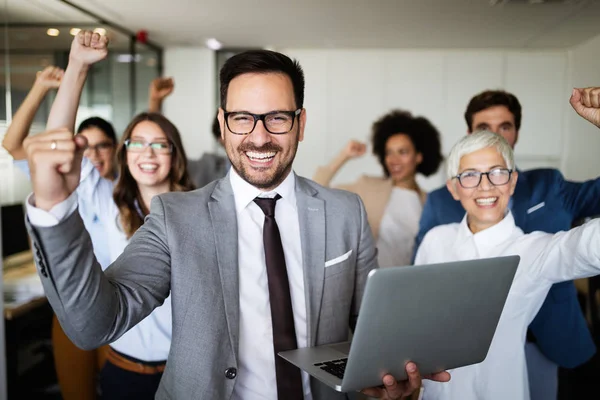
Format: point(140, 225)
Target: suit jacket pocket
point(338, 264)
point(338, 260)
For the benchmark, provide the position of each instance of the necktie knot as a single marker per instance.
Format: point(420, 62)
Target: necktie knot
point(267, 205)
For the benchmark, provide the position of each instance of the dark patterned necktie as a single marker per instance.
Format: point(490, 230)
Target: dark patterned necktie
point(289, 380)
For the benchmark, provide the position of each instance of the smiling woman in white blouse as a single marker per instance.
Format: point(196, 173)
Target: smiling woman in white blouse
point(482, 176)
point(404, 145)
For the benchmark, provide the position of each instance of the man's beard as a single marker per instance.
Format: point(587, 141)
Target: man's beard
point(270, 180)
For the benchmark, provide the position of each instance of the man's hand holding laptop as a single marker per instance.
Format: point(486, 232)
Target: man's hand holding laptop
point(394, 390)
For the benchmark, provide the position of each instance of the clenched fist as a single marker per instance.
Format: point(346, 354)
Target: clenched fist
point(88, 48)
point(49, 78)
point(55, 162)
point(354, 149)
point(586, 103)
point(161, 88)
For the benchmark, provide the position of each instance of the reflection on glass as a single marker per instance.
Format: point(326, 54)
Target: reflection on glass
point(116, 88)
point(147, 68)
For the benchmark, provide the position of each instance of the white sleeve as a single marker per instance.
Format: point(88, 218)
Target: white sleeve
point(46, 219)
point(22, 166)
point(569, 255)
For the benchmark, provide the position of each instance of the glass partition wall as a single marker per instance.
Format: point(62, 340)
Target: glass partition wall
point(116, 89)
point(36, 34)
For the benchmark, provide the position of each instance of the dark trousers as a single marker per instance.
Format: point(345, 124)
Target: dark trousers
point(119, 384)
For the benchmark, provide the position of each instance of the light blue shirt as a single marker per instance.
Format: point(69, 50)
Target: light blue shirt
point(92, 188)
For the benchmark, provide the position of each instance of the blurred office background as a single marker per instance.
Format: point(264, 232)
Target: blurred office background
point(361, 59)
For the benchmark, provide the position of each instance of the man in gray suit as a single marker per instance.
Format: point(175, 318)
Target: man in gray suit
point(246, 279)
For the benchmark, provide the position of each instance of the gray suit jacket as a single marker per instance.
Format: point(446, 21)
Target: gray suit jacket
point(188, 247)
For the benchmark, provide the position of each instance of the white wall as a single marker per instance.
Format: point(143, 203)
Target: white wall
point(346, 90)
point(582, 139)
point(192, 106)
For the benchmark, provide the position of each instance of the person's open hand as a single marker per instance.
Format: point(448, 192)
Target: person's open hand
point(394, 390)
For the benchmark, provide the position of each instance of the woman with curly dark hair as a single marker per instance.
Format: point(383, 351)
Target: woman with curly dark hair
point(404, 145)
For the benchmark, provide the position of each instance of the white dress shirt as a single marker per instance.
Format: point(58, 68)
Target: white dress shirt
point(149, 340)
point(399, 227)
point(256, 365)
point(545, 259)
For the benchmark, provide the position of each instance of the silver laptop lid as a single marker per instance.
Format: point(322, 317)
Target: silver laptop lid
point(440, 316)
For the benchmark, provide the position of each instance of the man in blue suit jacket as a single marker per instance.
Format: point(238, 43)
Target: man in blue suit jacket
point(543, 201)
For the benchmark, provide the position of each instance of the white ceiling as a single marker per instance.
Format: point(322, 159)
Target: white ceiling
point(338, 23)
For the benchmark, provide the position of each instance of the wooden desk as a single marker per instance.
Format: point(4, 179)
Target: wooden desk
point(12, 274)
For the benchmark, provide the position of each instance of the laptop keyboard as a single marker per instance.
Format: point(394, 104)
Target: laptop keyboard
point(334, 367)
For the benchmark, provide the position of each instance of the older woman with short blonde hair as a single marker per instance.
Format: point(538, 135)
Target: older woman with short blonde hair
point(482, 176)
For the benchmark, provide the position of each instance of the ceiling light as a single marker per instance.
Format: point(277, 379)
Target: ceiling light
point(213, 44)
point(128, 58)
point(100, 31)
point(52, 32)
point(74, 31)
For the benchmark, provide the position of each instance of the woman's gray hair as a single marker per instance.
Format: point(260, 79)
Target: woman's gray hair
point(475, 142)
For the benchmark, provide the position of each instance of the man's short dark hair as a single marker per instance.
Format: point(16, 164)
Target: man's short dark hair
point(262, 61)
point(493, 98)
point(100, 123)
point(216, 128)
point(424, 136)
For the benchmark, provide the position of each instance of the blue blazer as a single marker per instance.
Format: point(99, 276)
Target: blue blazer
point(543, 201)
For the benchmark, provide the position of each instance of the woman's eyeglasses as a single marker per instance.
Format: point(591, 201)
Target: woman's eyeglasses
point(138, 146)
point(472, 179)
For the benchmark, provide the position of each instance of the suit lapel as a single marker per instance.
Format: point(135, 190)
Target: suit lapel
point(520, 201)
point(224, 224)
point(311, 216)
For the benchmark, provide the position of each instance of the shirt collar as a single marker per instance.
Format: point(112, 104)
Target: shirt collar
point(244, 193)
point(489, 237)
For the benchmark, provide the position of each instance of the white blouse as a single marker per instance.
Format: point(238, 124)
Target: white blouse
point(545, 259)
point(398, 229)
point(150, 340)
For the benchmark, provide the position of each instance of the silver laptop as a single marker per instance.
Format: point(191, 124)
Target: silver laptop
point(440, 316)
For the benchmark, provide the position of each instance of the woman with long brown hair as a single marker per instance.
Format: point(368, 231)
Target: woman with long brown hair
point(152, 162)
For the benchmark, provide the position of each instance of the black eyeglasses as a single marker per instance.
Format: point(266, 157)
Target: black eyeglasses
point(275, 122)
point(472, 179)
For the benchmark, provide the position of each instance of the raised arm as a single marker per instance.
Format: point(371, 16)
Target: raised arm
point(159, 89)
point(55, 156)
point(95, 308)
point(568, 255)
point(87, 48)
point(581, 198)
point(325, 174)
point(18, 130)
